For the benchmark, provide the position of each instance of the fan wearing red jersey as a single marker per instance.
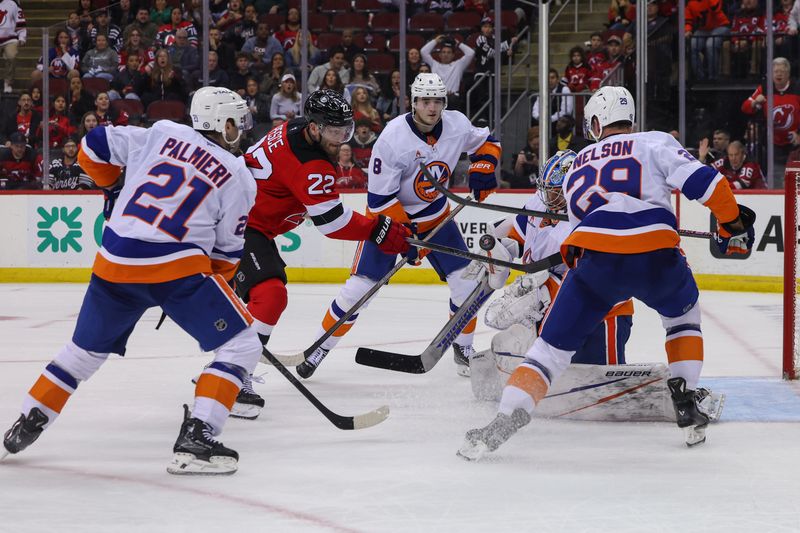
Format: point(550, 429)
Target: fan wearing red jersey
point(295, 179)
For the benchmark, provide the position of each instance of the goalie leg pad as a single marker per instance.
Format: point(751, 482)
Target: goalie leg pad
point(490, 369)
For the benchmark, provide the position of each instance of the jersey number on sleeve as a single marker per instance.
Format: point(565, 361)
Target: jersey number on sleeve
point(321, 184)
point(590, 186)
point(174, 225)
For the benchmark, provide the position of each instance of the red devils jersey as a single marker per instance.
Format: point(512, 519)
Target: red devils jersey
point(577, 77)
point(780, 22)
point(785, 114)
point(748, 176)
point(747, 22)
point(295, 179)
point(593, 59)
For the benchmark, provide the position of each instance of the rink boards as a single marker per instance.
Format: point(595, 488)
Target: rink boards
point(52, 237)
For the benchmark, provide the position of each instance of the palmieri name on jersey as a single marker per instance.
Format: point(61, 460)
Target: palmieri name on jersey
point(199, 158)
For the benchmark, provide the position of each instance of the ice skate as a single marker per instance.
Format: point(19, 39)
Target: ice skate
point(24, 432)
point(248, 403)
point(687, 412)
point(461, 355)
point(479, 442)
point(710, 403)
point(197, 453)
point(306, 369)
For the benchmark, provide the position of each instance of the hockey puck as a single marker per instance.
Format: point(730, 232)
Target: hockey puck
point(486, 242)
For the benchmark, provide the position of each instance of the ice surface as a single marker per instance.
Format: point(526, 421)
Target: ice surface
point(101, 466)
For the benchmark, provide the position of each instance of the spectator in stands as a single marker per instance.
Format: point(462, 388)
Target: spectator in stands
point(88, 123)
point(232, 15)
point(424, 68)
point(413, 62)
point(60, 127)
point(135, 46)
point(716, 151)
point(336, 63)
point(620, 15)
point(106, 115)
point(286, 102)
point(360, 76)
point(226, 54)
point(389, 101)
point(128, 83)
point(216, 76)
point(104, 26)
point(243, 29)
point(565, 137)
point(101, 61)
point(165, 81)
point(332, 81)
point(362, 142)
point(62, 60)
point(65, 174)
point(161, 13)
point(261, 47)
point(79, 100)
point(122, 13)
point(25, 121)
point(273, 7)
point(448, 68)
point(707, 26)
point(561, 104)
point(289, 29)
point(78, 36)
point(258, 102)
point(577, 72)
point(484, 46)
point(363, 110)
point(348, 175)
point(84, 10)
point(605, 67)
point(238, 78)
point(18, 167)
point(293, 55)
point(739, 171)
point(36, 98)
point(785, 113)
point(271, 82)
point(147, 28)
point(166, 32)
point(526, 162)
point(597, 51)
point(443, 7)
point(347, 46)
point(13, 34)
point(747, 48)
point(481, 6)
point(183, 55)
point(785, 41)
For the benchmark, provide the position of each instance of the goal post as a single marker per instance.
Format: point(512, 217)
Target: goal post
point(791, 357)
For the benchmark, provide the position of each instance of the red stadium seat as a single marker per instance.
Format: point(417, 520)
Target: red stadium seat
point(327, 40)
point(331, 7)
point(381, 63)
point(412, 41)
point(343, 21)
point(56, 86)
point(386, 22)
point(472, 39)
point(368, 6)
point(427, 22)
point(508, 19)
point(274, 21)
point(318, 22)
point(372, 42)
point(132, 107)
point(96, 85)
point(166, 109)
point(464, 21)
point(296, 4)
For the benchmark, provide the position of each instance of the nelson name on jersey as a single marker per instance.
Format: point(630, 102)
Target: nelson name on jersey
point(199, 158)
point(614, 149)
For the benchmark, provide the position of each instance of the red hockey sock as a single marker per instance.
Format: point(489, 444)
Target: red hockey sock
point(268, 299)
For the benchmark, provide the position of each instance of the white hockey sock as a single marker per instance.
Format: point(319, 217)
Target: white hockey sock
point(688, 370)
point(515, 398)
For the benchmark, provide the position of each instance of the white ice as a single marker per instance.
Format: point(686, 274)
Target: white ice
point(101, 466)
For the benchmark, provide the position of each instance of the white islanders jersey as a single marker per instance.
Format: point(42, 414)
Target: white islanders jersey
point(542, 237)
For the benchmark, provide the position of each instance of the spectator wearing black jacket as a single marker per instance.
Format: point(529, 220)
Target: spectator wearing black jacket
point(128, 83)
point(238, 78)
point(25, 121)
point(216, 76)
point(166, 82)
point(65, 173)
point(18, 166)
point(79, 100)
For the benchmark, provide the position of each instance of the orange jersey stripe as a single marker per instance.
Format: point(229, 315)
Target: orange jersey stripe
point(490, 148)
point(530, 381)
point(687, 348)
point(428, 225)
point(514, 234)
point(158, 273)
point(103, 174)
point(625, 308)
point(225, 269)
point(49, 394)
point(220, 389)
point(394, 211)
point(722, 202)
point(237, 303)
point(621, 244)
point(611, 340)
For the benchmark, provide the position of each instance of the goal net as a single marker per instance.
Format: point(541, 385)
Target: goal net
point(791, 323)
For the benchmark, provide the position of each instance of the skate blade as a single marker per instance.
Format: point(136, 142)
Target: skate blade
point(715, 407)
point(245, 411)
point(472, 451)
point(695, 435)
point(186, 464)
point(462, 370)
point(5, 454)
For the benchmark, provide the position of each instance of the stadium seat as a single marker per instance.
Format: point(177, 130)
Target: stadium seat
point(331, 7)
point(327, 40)
point(368, 6)
point(166, 109)
point(56, 86)
point(343, 21)
point(318, 22)
point(386, 22)
point(507, 18)
point(412, 41)
point(296, 4)
point(472, 39)
point(274, 21)
point(132, 107)
point(96, 85)
point(464, 21)
point(381, 63)
point(427, 22)
point(373, 42)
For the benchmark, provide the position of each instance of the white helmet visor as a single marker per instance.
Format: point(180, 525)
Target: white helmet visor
point(337, 134)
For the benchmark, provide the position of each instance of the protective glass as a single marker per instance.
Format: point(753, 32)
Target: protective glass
point(246, 122)
point(337, 134)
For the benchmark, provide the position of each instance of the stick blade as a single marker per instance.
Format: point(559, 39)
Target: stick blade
point(411, 364)
point(285, 360)
point(373, 418)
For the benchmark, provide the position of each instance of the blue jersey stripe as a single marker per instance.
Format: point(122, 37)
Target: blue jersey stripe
point(63, 375)
point(622, 221)
point(376, 201)
point(683, 327)
point(339, 312)
point(134, 248)
point(236, 254)
point(698, 183)
point(522, 224)
point(234, 370)
point(98, 142)
point(432, 209)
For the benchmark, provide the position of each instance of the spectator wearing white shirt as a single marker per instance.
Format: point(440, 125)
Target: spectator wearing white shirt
point(285, 103)
point(561, 104)
point(448, 68)
point(337, 63)
point(13, 34)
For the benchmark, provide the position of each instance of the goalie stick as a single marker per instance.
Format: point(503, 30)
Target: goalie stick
point(296, 359)
point(525, 212)
point(543, 264)
point(361, 421)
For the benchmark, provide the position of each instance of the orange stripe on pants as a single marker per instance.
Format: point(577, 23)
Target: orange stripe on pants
point(530, 381)
point(220, 389)
point(237, 303)
point(688, 348)
point(49, 394)
point(611, 340)
point(330, 320)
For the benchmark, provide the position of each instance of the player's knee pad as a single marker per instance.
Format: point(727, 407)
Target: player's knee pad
point(690, 317)
point(460, 289)
point(81, 364)
point(267, 301)
point(243, 350)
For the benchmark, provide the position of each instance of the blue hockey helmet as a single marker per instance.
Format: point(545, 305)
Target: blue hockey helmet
point(551, 180)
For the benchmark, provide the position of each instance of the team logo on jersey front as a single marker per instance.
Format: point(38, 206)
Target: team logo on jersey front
point(422, 187)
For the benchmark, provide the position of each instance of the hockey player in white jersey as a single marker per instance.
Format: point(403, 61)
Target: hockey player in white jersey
point(173, 240)
point(397, 188)
point(624, 243)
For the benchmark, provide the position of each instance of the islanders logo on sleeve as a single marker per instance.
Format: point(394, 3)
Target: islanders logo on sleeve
point(422, 187)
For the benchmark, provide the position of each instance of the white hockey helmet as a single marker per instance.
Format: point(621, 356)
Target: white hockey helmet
point(428, 85)
point(609, 105)
point(212, 107)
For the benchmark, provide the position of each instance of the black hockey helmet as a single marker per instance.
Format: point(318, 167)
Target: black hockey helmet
point(332, 113)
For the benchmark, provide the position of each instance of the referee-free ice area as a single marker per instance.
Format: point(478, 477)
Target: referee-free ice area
point(101, 466)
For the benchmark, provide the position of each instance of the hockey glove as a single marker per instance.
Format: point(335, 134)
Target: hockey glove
point(482, 181)
point(504, 249)
point(415, 255)
point(732, 241)
point(389, 236)
point(110, 196)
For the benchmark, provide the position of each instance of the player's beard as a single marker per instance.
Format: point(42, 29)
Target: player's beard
point(332, 149)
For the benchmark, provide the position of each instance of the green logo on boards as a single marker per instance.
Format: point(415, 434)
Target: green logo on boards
point(294, 242)
point(59, 229)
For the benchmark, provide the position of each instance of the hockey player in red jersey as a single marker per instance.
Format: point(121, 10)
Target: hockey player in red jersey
point(295, 178)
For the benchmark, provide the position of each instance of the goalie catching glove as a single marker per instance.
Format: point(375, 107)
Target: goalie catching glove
point(389, 236)
point(733, 238)
point(504, 249)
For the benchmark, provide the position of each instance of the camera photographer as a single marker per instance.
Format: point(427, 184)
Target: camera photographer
point(526, 162)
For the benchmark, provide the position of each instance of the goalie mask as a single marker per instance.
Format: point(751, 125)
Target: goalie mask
point(551, 180)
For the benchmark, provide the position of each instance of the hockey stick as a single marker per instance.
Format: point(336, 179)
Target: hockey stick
point(542, 264)
point(525, 212)
point(296, 359)
point(362, 421)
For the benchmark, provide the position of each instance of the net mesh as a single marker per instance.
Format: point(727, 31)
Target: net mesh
point(791, 326)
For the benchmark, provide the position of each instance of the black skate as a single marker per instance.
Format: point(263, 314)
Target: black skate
point(197, 453)
point(306, 369)
point(480, 441)
point(248, 403)
point(687, 414)
point(25, 431)
point(461, 355)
